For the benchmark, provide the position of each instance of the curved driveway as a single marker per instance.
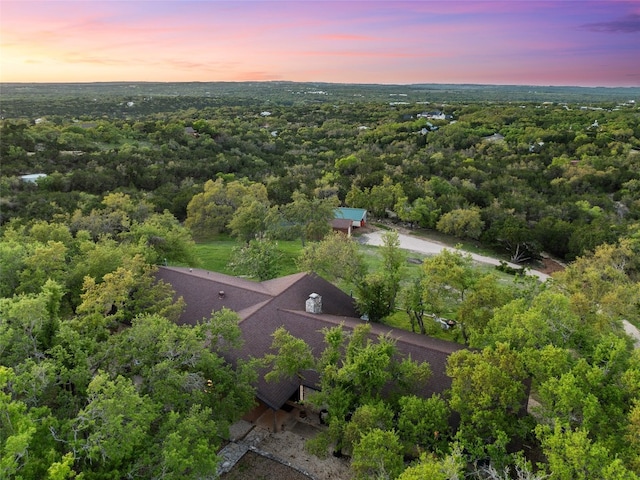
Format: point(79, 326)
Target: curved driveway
point(428, 247)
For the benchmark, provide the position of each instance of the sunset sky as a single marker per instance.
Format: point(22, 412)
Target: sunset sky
point(571, 42)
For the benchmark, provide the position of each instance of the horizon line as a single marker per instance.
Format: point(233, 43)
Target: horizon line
point(320, 82)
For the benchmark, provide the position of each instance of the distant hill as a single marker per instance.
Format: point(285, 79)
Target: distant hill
point(116, 99)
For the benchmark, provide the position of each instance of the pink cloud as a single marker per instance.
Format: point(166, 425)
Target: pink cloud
point(393, 42)
point(627, 24)
point(341, 37)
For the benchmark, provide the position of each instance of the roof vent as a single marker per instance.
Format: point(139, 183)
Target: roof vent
point(221, 294)
point(314, 303)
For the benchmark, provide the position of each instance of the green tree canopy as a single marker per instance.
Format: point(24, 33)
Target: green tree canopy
point(209, 212)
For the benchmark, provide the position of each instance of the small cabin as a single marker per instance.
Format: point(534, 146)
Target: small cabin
point(358, 216)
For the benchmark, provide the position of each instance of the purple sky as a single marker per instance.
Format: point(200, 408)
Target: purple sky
point(571, 42)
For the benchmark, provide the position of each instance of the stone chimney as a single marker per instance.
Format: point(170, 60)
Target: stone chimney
point(314, 303)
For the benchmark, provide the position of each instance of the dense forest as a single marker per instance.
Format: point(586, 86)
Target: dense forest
point(525, 177)
point(97, 381)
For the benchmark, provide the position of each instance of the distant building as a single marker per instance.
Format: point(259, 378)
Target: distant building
point(32, 177)
point(496, 137)
point(358, 216)
point(191, 131)
point(434, 115)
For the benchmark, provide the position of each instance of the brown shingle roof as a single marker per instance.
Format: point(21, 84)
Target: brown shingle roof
point(264, 307)
point(278, 285)
point(201, 292)
point(341, 223)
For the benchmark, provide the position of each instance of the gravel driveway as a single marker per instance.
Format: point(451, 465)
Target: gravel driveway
point(428, 247)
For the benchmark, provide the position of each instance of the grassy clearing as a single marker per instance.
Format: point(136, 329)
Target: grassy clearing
point(214, 255)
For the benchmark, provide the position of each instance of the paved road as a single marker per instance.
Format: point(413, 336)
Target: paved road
point(427, 247)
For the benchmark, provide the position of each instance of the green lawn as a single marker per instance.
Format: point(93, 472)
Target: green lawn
point(214, 255)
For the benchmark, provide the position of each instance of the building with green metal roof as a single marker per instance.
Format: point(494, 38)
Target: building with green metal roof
point(358, 216)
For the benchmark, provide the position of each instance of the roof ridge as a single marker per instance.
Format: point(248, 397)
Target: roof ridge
point(247, 312)
point(397, 334)
point(277, 286)
point(230, 280)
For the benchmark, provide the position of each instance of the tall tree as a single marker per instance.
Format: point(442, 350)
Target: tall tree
point(309, 217)
point(479, 306)
point(411, 299)
point(393, 259)
point(29, 324)
point(572, 455)
point(17, 430)
point(374, 296)
point(451, 467)
point(113, 426)
point(166, 239)
point(447, 278)
point(209, 212)
point(547, 320)
point(461, 222)
point(603, 286)
point(423, 424)
point(355, 371)
point(336, 257)
point(423, 211)
point(367, 417)
point(292, 358)
point(258, 259)
point(128, 291)
point(487, 391)
point(378, 454)
point(187, 446)
point(249, 221)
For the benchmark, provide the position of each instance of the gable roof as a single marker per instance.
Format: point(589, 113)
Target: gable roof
point(265, 306)
point(355, 214)
point(201, 292)
point(341, 224)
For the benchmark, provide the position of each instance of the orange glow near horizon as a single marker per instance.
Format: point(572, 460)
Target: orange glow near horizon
point(549, 43)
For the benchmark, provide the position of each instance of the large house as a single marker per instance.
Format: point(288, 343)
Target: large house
point(304, 304)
